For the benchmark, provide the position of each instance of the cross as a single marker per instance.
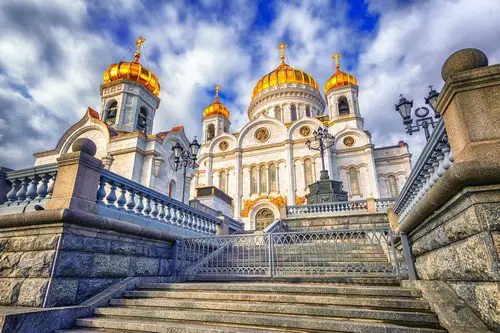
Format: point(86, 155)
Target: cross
point(217, 88)
point(282, 46)
point(336, 58)
point(138, 43)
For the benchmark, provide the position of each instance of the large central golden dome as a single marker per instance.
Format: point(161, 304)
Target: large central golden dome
point(133, 71)
point(284, 73)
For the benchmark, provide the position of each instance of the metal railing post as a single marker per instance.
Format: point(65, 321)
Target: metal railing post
point(408, 257)
point(393, 250)
point(271, 256)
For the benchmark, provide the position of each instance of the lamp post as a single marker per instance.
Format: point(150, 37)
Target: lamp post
point(423, 120)
point(322, 141)
point(185, 158)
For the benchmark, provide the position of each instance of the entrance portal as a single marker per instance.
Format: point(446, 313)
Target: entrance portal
point(263, 218)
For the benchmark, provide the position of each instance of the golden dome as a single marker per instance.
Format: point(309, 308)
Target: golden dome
point(284, 73)
point(216, 108)
point(133, 71)
point(339, 78)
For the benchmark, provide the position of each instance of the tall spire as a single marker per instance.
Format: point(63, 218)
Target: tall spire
point(217, 88)
point(138, 44)
point(282, 46)
point(336, 58)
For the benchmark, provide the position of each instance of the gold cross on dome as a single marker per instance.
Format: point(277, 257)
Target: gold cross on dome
point(217, 88)
point(282, 46)
point(138, 43)
point(336, 58)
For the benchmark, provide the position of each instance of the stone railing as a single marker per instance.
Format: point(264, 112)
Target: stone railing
point(29, 186)
point(327, 208)
point(382, 204)
point(123, 195)
point(434, 160)
point(233, 225)
point(276, 226)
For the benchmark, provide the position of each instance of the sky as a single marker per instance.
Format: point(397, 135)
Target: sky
point(53, 54)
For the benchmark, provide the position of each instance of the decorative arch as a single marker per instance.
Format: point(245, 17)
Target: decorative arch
point(343, 106)
point(171, 188)
point(263, 204)
point(111, 112)
point(231, 139)
point(315, 123)
point(361, 138)
point(142, 120)
point(210, 132)
point(259, 122)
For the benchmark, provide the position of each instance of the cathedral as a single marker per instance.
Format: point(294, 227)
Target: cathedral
point(267, 164)
point(261, 168)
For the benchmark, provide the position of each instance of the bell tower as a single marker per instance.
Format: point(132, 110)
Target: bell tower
point(215, 118)
point(129, 95)
point(341, 92)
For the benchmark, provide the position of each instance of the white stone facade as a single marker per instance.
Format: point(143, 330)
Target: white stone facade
point(124, 147)
point(281, 166)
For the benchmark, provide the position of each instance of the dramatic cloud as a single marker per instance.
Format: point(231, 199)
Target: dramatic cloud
point(53, 54)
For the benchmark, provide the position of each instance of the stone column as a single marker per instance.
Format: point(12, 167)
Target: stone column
point(77, 179)
point(372, 175)
point(209, 170)
point(291, 174)
point(239, 184)
point(278, 187)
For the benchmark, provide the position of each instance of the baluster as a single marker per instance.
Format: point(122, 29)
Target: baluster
point(203, 225)
point(180, 216)
point(147, 207)
point(131, 200)
point(161, 211)
point(52, 182)
point(189, 223)
point(32, 188)
point(154, 211)
point(111, 197)
point(139, 206)
point(101, 192)
point(447, 157)
point(21, 194)
point(11, 196)
point(196, 222)
point(122, 200)
point(168, 216)
point(185, 219)
point(43, 188)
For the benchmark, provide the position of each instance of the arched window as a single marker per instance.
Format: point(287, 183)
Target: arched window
point(171, 188)
point(223, 181)
point(262, 179)
point(210, 132)
point(142, 120)
point(308, 171)
point(253, 180)
point(353, 181)
point(293, 112)
point(277, 113)
point(308, 111)
point(273, 178)
point(343, 106)
point(393, 186)
point(111, 113)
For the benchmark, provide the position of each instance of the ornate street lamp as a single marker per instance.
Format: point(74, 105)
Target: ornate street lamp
point(404, 107)
point(322, 142)
point(184, 159)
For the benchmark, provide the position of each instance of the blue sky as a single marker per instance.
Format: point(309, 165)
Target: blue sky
point(53, 54)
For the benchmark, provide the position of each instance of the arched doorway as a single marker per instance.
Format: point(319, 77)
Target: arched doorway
point(263, 218)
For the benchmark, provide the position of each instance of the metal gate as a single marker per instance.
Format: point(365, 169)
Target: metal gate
point(311, 253)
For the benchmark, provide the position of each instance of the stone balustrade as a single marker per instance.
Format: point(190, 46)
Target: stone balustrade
point(434, 160)
point(123, 195)
point(383, 204)
point(30, 185)
point(327, 208)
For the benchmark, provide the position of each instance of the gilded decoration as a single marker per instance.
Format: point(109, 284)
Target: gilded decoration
point(299, 201)
point(216, 108)
point(223, 145)
point(348, 141)
point(305, 131)
point(133, 71)
point(339, 79)
point(278, 201)
point(262, 134)
point(284, 74)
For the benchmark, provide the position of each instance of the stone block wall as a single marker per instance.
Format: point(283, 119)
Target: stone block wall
point(460, 244)
point(65, 264)
point(318, 223)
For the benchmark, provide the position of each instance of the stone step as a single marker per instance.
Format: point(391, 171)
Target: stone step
point(123, 324)
point(260, 320)
point(382, 279)
point(365, 301)
point(309, 288)
point(284, 308)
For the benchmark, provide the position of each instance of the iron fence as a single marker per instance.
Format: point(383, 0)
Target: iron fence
point(362, 252)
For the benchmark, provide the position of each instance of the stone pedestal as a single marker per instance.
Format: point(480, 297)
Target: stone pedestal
point(326, 190)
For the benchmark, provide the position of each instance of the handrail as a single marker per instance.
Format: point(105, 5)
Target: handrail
point(276, 226)
point(328, 207)
point(434, 160)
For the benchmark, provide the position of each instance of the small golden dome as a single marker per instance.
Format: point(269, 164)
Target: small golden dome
point(339, 78)
point(216, 108)
point(284, 73)
point(133, 71)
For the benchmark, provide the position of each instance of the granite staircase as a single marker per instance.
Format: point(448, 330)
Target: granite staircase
point(264, 307)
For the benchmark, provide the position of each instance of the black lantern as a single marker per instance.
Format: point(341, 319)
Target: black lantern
point(195, 147)
point(431, 100)
point(404, 108)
